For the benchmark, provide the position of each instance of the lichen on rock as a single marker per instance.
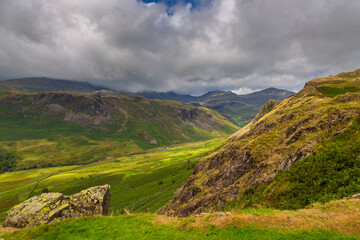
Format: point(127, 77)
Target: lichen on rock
point(53, 207)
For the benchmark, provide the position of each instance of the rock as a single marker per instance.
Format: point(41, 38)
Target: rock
point(355, 197)
point(266, 108)
point(221, 214)
point(53, 207)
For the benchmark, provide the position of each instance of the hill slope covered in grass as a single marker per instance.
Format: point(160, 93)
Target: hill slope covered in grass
point(49, 129)
point(303, 150)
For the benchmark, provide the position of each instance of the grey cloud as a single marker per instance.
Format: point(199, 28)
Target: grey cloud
point(228, 45)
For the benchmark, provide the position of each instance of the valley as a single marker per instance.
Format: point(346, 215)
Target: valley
point(139, 182)
point(179, 119)
point(57, 128)
point(180, 171)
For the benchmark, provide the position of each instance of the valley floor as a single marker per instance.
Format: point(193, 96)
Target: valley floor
point(139, 182)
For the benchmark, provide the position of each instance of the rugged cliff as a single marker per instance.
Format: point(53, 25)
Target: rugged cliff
point(304, 146)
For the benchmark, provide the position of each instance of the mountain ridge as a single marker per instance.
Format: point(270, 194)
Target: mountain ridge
point(240, 109)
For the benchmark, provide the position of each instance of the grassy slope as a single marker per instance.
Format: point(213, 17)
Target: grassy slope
point(336, 220)
point(143, 182)
point(332, 171)
point(324, 115)
point(43, 139)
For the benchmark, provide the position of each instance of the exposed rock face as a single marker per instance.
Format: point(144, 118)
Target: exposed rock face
point(53, 207)
point(267, 107)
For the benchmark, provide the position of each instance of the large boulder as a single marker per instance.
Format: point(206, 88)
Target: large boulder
point(53, 207)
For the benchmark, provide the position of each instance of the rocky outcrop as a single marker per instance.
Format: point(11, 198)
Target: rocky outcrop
point(53, 207)
point(267, 107)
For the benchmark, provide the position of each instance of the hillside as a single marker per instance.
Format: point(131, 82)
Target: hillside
point(300, 151)
point(49, 129)
point(42, 84)
point(240, 109)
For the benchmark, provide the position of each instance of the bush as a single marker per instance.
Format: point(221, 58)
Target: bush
point(7, 161)
point(332, 173)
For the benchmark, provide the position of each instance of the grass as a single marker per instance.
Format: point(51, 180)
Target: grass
point(333, 92)
point(146, 226)
point(141, 183)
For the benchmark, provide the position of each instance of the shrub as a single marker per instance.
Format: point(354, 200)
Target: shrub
point(330, 174)
point(7, 161)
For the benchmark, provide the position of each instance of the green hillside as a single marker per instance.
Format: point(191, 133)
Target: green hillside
point(302, 150)
point(51, 129)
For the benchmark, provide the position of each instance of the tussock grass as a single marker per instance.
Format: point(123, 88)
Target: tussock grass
point(341, 216)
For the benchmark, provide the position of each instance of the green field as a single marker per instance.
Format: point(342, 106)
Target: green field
point(140, 183)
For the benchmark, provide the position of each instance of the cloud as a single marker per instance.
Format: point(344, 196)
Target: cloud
point(225, 44)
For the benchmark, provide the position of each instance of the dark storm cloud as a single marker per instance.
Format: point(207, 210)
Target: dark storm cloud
point(229, 44)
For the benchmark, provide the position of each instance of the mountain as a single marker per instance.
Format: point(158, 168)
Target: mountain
point(240, 109)
point(301, 150)
point(65, 128)
point(42, 84)
point(256, 98)
point(168, 96)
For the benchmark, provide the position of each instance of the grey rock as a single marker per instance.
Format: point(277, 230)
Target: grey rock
point(53, 207)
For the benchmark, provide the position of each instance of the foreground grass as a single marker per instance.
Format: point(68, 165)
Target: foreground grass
point(143, 226)
point(140, 183)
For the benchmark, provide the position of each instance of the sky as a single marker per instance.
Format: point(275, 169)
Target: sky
point(184, 46)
